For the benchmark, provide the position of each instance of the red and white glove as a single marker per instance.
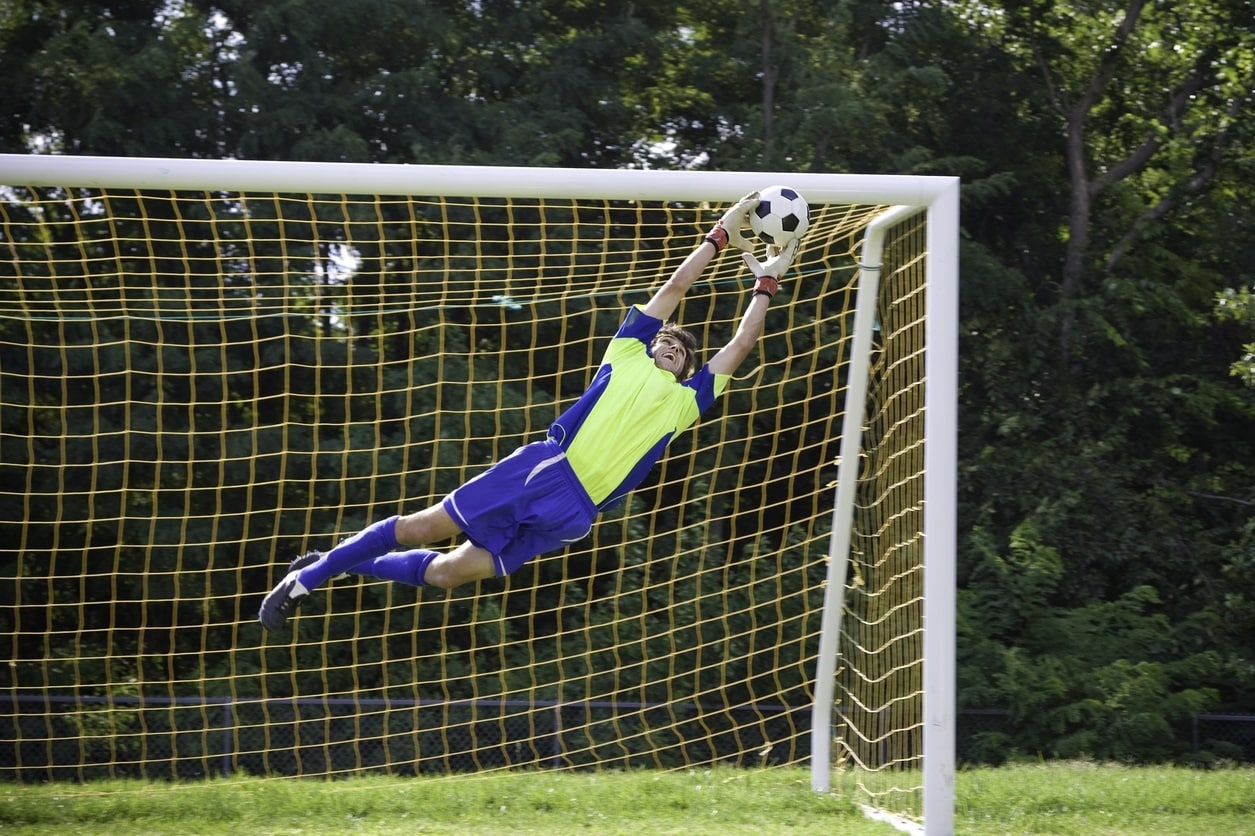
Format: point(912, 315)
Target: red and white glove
point(767, 274)
point(727, 230)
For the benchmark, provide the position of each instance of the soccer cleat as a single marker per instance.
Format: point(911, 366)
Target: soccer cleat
point(299, 563)
point(308, 559)
point(281, 602)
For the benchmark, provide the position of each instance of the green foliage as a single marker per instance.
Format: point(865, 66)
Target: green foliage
point(1095, 681)
point(1102, 494)
point(1107, 553)
point(1238, 305)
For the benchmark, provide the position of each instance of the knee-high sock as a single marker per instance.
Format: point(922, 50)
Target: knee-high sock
point(402, 567)
point(375, 540)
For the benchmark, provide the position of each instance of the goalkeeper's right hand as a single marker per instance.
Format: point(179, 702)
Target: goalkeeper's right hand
point(767, 274)
point(727, 230)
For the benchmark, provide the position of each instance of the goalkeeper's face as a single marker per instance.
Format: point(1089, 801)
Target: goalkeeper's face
point(672, 353)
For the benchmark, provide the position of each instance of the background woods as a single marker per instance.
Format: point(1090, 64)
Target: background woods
point(1107, 435)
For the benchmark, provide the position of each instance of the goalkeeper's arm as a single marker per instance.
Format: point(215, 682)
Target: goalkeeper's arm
point(727, 231)
point(766, 282)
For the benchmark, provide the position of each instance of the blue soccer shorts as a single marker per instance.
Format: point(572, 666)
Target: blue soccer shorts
point(529, 503)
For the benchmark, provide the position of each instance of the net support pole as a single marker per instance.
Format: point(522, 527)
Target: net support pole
point(941, 370)
point(847, 481)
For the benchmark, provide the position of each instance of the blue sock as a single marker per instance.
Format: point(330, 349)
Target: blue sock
point(402, 567)
point(375, 540)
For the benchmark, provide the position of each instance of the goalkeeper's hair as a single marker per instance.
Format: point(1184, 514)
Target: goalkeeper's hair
point(685, 338)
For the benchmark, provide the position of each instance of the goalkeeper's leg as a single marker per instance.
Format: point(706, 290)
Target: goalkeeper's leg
point(371, 542)
point(422, 567)
point(311, 570)
point(361, 554)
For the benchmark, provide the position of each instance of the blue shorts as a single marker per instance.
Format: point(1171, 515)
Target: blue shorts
point(528, 503)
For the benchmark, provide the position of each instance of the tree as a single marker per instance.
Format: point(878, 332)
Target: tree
point(1098, 410)
point(1238, 306)
point(1150, 112)
point(1106, 440)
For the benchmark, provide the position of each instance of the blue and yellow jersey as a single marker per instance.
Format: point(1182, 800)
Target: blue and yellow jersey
point(618, 429)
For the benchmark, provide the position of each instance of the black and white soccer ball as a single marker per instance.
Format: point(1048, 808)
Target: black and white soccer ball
point(782, 214)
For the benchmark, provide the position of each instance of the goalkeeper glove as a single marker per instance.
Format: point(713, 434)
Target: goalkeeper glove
point(767, 273)
point(727, 230)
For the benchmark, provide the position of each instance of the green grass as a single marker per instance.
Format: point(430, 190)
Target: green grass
point(1064, 798)
point(1085, 798)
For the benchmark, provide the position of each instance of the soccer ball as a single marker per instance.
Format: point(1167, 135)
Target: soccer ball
point(781, 215)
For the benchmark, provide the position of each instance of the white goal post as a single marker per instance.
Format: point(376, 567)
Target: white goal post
point(936, 198)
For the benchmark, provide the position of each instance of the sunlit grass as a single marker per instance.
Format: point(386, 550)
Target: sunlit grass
point(1064, 798)
point(640, 803)
point(1079, 797)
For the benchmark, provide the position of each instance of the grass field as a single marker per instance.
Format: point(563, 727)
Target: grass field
point(1062, 798)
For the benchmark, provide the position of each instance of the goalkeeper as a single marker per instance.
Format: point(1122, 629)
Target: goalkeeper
point(546, 494)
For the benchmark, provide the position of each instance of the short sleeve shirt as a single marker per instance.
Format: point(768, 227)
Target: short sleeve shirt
point(618, 429)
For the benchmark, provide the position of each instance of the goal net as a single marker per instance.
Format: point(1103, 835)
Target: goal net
point(210, 367)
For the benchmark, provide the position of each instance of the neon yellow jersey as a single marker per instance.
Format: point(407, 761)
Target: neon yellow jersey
point(618, 429)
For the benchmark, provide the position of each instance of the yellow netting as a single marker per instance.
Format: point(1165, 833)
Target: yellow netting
point(196, 387)
point(880, 678)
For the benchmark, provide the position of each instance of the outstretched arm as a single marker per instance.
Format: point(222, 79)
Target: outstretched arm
point(667, 298)
point(766, 280)
point(727, 231)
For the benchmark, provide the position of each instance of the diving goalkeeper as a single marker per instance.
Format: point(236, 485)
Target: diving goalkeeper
point(546, 494)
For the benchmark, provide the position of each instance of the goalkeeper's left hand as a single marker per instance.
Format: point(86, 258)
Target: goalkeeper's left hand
point(767, 274)
point(727, 230)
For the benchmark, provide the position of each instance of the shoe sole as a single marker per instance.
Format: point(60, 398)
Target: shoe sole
point(278, 606)
point(307, 559)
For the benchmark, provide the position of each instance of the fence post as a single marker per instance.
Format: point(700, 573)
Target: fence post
point(228, 748)
point(556, 757)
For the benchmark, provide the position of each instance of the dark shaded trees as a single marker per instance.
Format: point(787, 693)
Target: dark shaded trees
point(1107, 558)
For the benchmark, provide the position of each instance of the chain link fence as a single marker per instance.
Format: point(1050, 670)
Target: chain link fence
point(66, 738)
point(984, 736)
point(47, 737)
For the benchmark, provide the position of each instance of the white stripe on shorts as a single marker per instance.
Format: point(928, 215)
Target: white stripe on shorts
point(546, 463)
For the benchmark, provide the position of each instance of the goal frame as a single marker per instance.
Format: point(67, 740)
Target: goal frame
point(907, 195)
